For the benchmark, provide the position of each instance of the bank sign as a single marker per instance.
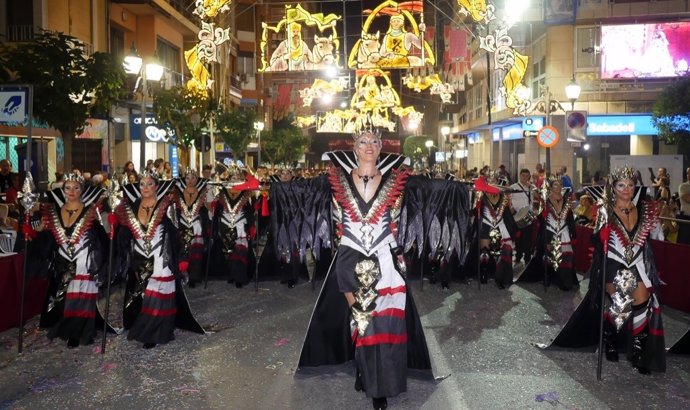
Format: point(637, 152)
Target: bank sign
point(601, 125)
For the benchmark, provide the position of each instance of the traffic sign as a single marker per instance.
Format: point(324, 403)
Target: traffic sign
point(548, 136)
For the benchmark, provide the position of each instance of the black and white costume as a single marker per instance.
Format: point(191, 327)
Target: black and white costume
point(148, 256)
point(382, 332)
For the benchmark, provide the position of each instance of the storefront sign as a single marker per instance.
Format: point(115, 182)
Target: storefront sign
point(598, 125)
point(154, 132)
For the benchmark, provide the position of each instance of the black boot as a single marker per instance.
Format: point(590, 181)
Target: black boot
point(358, 382)
point(610, 340)
point(484, 261)
point(639, 340)
point(379, 403)
point(72, 343)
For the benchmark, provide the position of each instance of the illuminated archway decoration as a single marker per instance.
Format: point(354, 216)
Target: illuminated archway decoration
point(397, 47)
point(321, 88)
point(505, 56)
point(211, 8)
point(205, 51)
point(295, 54)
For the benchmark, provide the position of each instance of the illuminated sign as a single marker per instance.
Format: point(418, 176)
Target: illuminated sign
point(598, 125)
point(153, 131)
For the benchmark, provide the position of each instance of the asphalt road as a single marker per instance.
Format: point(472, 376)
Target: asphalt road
point(480, 339)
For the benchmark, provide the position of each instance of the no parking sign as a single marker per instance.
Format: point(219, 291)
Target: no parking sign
point(548, 136)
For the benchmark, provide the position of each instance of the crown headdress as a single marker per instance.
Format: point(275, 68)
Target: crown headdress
point(150, 174)
point(367, 127)
point(625, 172)
point(73, 177)
point(190, 172)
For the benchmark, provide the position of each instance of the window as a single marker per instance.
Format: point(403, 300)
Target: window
point(538, 66)
point(245, 65)
point(168, 55)
point(587, 52)
point(20, 20)
point(117, 43)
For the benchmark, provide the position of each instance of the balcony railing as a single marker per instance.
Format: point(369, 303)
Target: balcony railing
point(185, 7)
point(19, 33)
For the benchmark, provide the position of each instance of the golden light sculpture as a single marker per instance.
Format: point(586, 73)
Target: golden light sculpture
point(205, 51)
point(397, 47)
point(321, 88)
point(433, 82)
point(211, 8)
point(293, 53)
point(373, 101)
point(374, 97)
point(505, 56)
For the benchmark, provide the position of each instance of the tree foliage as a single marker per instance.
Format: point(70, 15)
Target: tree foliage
point(284, 144)
point(69, 85)
point(415, 146)
point(236, 128)
point(185, 111)
point(671, 112)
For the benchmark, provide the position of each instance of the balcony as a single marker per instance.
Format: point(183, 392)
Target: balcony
point(18, 33)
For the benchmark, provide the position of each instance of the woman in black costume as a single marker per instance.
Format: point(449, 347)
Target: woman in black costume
point(193, 224)
point(625, 226)
point(148, 255)
point(554, 261)
point(365, 310)
point(73, 248)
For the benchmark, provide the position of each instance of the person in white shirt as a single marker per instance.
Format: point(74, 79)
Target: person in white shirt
point(520, 200)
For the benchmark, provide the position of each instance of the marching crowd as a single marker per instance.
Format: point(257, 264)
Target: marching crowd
point(382, 221)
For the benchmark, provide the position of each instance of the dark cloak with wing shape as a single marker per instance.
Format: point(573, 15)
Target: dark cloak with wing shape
point(434, 215)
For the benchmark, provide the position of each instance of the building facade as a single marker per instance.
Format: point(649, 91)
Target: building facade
point(612, 50)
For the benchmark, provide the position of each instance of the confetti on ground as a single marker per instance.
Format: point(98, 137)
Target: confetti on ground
point(282, 342)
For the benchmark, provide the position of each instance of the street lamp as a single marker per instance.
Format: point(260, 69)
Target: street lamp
point(151, 71)
point(572, 91)
point(258, 126)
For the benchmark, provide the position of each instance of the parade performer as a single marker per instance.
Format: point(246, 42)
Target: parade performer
point(623, 255)
point(234, 225)
point(194, 224)
point(72, 250)
point(365, 310)
point(554, 255)
point(148, 255)
point(523, 211)
point(496, 231)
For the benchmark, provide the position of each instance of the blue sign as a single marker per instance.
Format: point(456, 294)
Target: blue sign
point(598, 125)
point(510, 132)
point(14, 107)
point(532, 123)
point(174, 161)
point(473, 138)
